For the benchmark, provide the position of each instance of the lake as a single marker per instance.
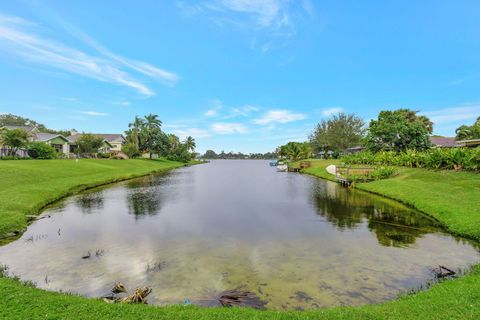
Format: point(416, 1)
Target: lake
point(298, 242)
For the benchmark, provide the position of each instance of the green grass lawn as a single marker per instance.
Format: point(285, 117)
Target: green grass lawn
point(453, 198)
point(25, 186)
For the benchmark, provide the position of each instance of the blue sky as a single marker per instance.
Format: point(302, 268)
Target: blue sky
point(238, 75)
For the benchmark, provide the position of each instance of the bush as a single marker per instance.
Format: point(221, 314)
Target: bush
point(383, 173)
point(14, 158)
point(40, 150)
point(131, 150)
point(103, 155)
point(449, 159)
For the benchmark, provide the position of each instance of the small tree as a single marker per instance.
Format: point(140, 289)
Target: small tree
point(14, 139)
point(398, 130)
point(40, 150)
point(338, 133)
point(131, 150)
point(89, 143)
point(465, 132)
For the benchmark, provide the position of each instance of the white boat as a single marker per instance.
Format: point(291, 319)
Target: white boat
point(282, 168)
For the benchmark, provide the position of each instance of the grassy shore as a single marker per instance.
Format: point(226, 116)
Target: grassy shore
point(36, 183)
point(453, 198)
point(27, 186)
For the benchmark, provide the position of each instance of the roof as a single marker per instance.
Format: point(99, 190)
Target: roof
point(443, 141)
point(74, 138)
point(44, 137)
point(114, 137)
point(469, 143)
point(27, 128)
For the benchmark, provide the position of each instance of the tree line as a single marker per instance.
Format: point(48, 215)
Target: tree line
point(393, 130)
point(145, 136)
point(210, 154)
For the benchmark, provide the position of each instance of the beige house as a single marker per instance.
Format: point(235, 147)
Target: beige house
point(72, 140)
point(115, 139)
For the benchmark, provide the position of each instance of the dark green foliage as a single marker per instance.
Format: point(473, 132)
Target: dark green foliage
point(296, 151)
point(131, 150)
point(89, 143)
point(448, 158)
point(14, 139)
point(14, 120)
point(40, 150)
point(180, 153)
point(103, 155)
point(338, 133)
point(469, 132)
point(398, 130)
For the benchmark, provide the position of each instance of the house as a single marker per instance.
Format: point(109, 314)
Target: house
point(115, 140)
point(443, 142)
point(72, 141)
point(354, 149)
point(59, 142)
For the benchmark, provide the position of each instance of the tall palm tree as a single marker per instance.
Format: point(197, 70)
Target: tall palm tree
point(190, 143)
point(152, 122)
point(135, 128)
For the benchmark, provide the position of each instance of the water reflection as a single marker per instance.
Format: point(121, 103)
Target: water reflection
point(394, 225)
point(90, 202)
point(296, 241)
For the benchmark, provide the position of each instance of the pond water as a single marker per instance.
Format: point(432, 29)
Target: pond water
point(298, 242)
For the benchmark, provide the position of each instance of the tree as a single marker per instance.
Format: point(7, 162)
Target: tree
point(210, 154)
point(89, 143)
point(133, 134)
point(398, 130)
point(41, 150)
point(338, 133)
point(465, 132)
point(296, 150)
point(14, 139)
point(9, 119)
point(190, 144)
point(131, 150)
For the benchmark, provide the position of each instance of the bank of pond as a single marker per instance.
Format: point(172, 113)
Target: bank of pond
point(233, 230)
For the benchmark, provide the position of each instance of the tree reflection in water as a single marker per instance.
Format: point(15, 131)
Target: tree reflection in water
point(394, 224)
point(144, 196)
point(90, 201)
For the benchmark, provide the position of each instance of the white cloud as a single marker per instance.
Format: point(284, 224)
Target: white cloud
point(267, 20)
point(21, 38)
point(196, 133)
point(228, 128)
point(121, 103)
point(449, 115)
point(217, 105)
point(243, 111)
point(211, 113)
point(94, 113)
point(331, 111)
point(279, 116)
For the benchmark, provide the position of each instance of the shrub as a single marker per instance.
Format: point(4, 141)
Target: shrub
point(14, 158)
point(103, 155)
point(131, 150)
point(40, 150)
point(383, 173)
point(450, 159)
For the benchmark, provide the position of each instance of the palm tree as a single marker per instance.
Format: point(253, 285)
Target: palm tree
point(152, 122)
point(135, 128)
point(190, 143)
point(14, 139)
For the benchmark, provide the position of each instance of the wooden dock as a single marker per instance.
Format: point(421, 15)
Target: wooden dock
point(347, 175)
